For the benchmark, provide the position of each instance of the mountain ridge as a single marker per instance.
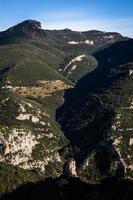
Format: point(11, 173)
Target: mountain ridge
point(65, 95)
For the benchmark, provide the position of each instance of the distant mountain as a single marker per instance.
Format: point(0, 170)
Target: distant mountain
point(26, 29)
point(65, 102)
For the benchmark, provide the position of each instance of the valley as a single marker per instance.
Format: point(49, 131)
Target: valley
point(66, 101)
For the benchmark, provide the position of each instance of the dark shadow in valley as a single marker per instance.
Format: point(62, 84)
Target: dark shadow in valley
point(86, 115)
point(74, 188)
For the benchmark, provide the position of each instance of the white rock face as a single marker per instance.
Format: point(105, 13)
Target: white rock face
point(20, 145)
point(118, 116)
point(109, 37)
point(117, 141)
point(130, 167)
point(21, 108)
point(129, 129)
point(76, 59)
point(117, 125)
point(130, 72)
point(128, 107)
point(34, 119)
point(28, 116)
point(29, 104)
point(89, 42)
point(19, 148)
point(72, 69)
point(43, 123)
point(131, 141)
point(121, 159)
point(73, 42)
point(114, 127)
point(23, 117)
point(5, 100)
point(70, 168)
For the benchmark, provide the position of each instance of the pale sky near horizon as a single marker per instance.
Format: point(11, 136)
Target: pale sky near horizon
point(81, 15)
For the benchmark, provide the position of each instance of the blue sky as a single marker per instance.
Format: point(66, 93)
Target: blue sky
point(107, 15)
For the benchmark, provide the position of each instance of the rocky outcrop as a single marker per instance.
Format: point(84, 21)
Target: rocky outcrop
point(28, 29)
point(70, 168)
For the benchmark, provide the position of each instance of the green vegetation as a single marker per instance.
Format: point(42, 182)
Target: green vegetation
point(13, 177)
point(102, 87)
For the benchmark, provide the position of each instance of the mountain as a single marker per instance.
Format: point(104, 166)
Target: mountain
point(97, 115)
point(26, 29)
point(65, 105)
